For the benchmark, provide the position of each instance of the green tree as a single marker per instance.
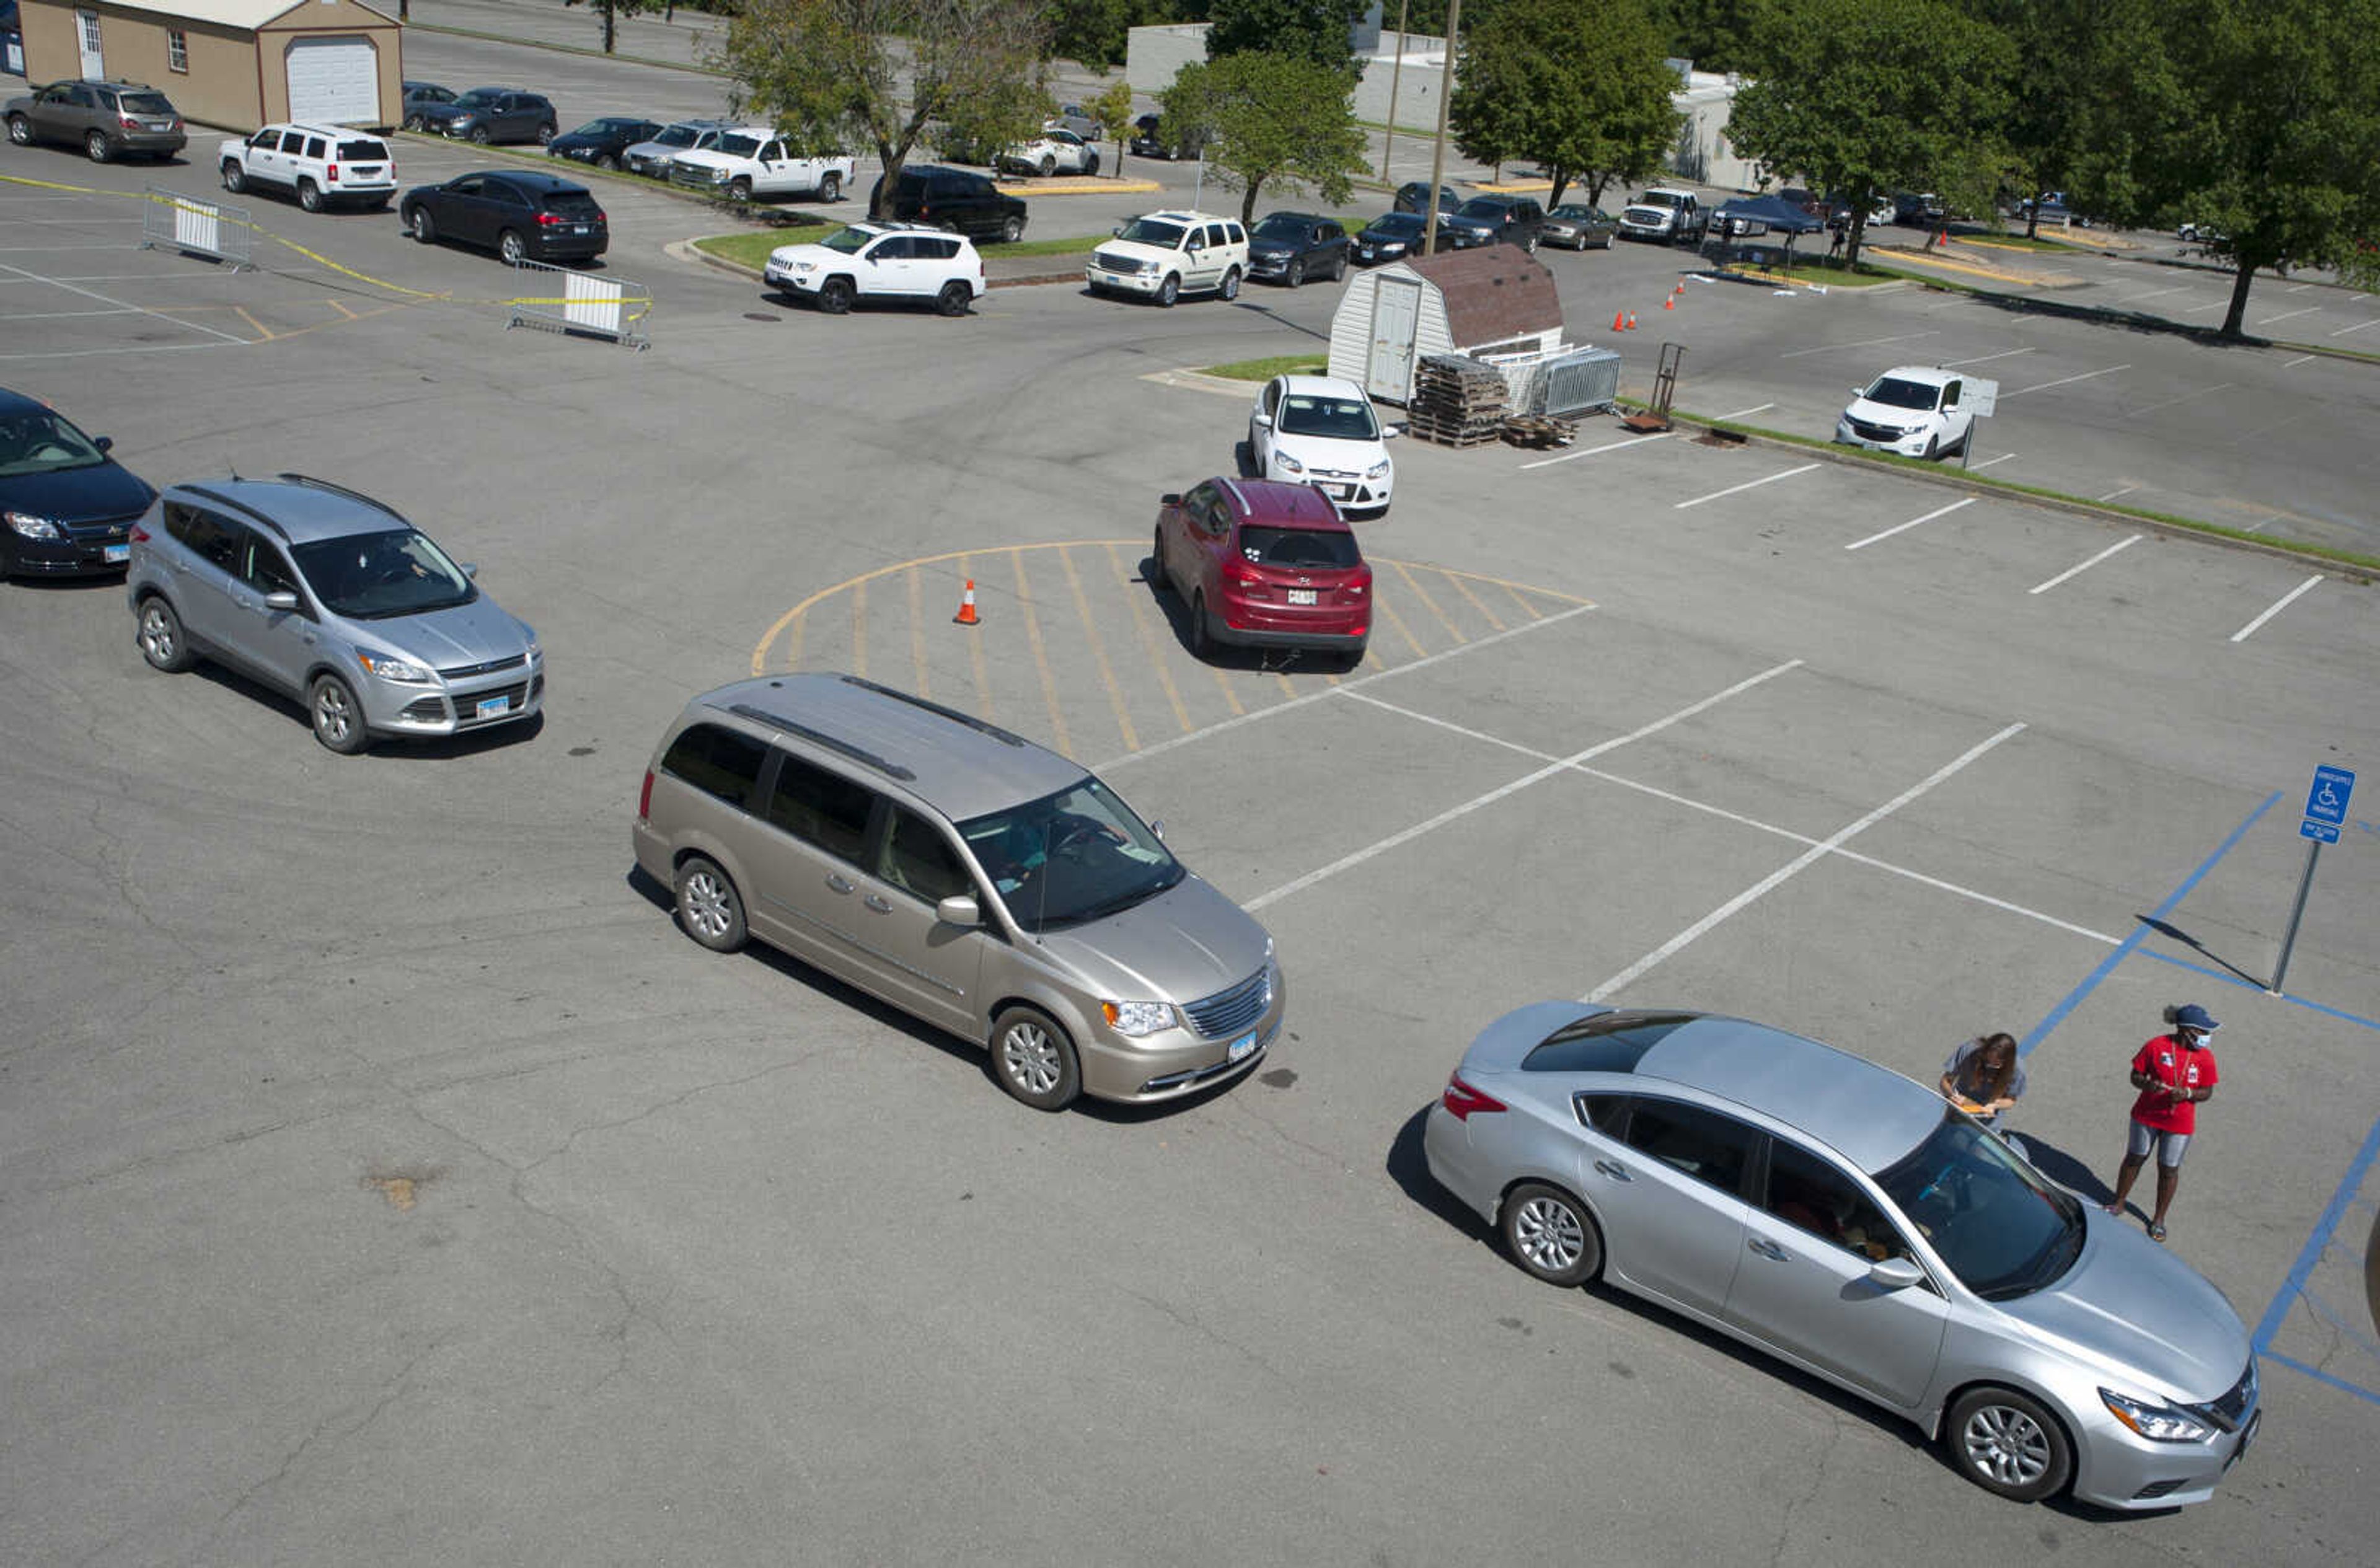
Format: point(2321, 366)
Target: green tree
point(2261, 117)
point(610, 11)
point(1576, 86)
point(1716, 35)
point(1308, 30)
point(1094, 32)
point(1868, 96)
point(1113, 109)
point(829, 73)
point(1269, 119)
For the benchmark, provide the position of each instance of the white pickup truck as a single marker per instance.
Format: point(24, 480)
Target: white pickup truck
point(1674, 216)
point(751, 161)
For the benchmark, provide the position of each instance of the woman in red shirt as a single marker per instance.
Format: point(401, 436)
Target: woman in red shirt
point(2173, 1071)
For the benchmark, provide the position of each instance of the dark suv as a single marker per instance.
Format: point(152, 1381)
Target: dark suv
point(949, 199)
point(1515, 220)
point(106, 119)
point(492, 113)
point(1289, 248)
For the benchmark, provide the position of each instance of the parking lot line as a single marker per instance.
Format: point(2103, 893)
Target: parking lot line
point(2122, 490)
point(859, 629)
point(1100, 654)
point(916, 633)
point(2292, 364)
point(2185, 397)
point(1739, 820)
point(1419, 593)
point(1473, 599)
point(2277, 606)
point(2151, 293)
point(1592, 451)
point(2062, 381)
point(2288, 315)
point(1562, 764)
point(1988, 359)
point(1137, 602)
point(95, 294)
point(1748, 485)
point(1864, 343)
point(1901, 528)
point(2078, 571)
point(1809, 856)
point(1041, 654)
point(1990, 461)
point(2356, 328)
point(1388, 607)
point(1747, 413)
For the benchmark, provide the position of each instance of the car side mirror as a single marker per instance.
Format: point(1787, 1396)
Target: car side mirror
point(959, 911)
point(1117, 231)
point(1263, 421)
point(1896, 1273)
point(1158, 828)
point(104, 442)
point(1390, 433)
point(1171, 499)
point(281, 600)
point(469, 569)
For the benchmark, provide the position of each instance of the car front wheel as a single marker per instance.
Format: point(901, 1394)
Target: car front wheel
point(708, 906)
point(836, 296)
point(1550, 1234)
point(20, 130)
point(478, 136)
point(338, 718)
point(160, 635)
point(2006, 1442)
point(1034, 1059)
point(235, 178)
point(1296, 274)
point(424, 227)
point(1169, 290)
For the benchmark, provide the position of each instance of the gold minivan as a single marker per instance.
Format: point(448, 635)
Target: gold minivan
point(982, 883)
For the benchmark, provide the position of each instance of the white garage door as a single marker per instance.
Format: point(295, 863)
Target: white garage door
point(334, 82)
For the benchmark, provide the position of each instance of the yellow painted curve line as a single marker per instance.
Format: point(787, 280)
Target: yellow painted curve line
point(315, 256)
point(777, 628)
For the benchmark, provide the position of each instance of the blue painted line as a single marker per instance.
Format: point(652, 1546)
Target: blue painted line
point(2057, 1014)
point(2318, 1375)
point(2232, 980)
point(2270, 1324)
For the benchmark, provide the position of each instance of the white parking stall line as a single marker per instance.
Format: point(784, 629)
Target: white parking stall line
point(2062, 381)
point(2356, 328)
point(62, 315)
point(1808, 857)
point(2127, 490)
point(1606, 447)
point(2151, 293)
point(1747, 413)
point(95, 294)
point(2210, 305)
point(1748, 485)
point(1864, 343)
point(47, 249)
point(1561, 764)
point(2185, 397)
point(1990, 461)
point(2297, 288)
point(2292, 364)
point(129, 348)
point(2278, 606)
point(1903, 527)
point(2078, 571)
point(1348, 688)
point(1988, 359)
point(1755, 823)
point(2288, 315)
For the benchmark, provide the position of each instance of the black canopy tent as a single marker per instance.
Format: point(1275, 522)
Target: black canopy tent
point(1747, 215)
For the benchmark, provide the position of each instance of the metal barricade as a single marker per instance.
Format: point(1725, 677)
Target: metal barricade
point(196, 227)
point(1559, 382)
point(581, 304)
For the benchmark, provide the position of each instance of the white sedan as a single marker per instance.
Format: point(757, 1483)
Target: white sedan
point(1058, 152)
point(1322, 431)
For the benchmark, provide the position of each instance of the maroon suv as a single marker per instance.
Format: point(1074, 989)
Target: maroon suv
point(1262, 565)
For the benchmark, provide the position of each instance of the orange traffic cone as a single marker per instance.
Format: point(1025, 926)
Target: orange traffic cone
point(1619, 321)
point(1670, 303)
point(966, 616)
point(1632, 321)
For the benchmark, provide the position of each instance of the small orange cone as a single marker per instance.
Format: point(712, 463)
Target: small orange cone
point(1670, 303)
point(1618, 321)
point(1632, 321)
point(966, 616)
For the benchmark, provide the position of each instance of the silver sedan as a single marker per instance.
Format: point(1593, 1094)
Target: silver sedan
point(1847, 1220)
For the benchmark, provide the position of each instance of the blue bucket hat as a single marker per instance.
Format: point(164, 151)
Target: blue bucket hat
point(2194, 1017)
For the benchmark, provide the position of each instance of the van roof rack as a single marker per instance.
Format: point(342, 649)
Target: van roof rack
point(837, 744)
point(979, 725)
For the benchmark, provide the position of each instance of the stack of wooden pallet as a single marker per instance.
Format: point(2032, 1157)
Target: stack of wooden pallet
point(1457, 401)
point(1539, 431)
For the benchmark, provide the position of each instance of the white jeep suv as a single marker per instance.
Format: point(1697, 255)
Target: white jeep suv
point(1164, 256)
point(322, 166)
point(880, 261)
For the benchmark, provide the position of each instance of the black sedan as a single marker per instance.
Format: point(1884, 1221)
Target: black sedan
point(66, 506)
point(1289, 248)
point(1398, 236)
point(600, 142)
point(520, 214)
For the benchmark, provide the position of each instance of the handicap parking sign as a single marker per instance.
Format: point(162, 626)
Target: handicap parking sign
point(2326, 806)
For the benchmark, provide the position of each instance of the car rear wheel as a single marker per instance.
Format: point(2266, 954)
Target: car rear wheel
point(1339, 268)
point(1012, 228)
point(1034, 1059)
point(831, 188)
point(1202, 644)
point(424, 227)
point(836, 296)
point(20, 130)
point(1169, 290)
point(1550, 1234)
point(338, 719)
point(510, 246)
point(954, 298)
point(708, 906)
point(159, 632)
point(96, 145)
point(235, 178)
point(2006, 1443)
point(545, 135)
point(413, 122)
point(309, 196)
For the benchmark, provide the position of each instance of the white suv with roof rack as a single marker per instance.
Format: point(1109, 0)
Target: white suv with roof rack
point(322, 165)
point(1164, 256)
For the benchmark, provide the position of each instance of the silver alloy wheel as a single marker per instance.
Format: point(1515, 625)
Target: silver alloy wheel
point(1030, 1058)
point(706, 903)
point(1549, 1235)
point(2006, 1444)
point(20, 130)
point(334, 719)
point(157, 639)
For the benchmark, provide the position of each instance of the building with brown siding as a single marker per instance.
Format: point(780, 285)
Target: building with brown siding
point(239, 64)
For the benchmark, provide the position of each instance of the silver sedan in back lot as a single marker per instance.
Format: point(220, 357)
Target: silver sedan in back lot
point(1847, 1220)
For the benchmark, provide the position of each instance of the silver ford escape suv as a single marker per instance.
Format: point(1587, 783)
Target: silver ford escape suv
point(966, 876)
point(333, 599)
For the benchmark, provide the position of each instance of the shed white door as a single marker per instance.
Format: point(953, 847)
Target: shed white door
point(334, 82)
point(94, 67)
point(1396, 322)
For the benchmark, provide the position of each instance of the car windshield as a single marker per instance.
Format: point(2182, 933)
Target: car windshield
point(371, 577)
point(1895, 392)
point(41, 442)
point(1482, 207)
point(1347, 419)
point(1996, 1221)
point(1284, 225)
point(1076, 855)
point(1399, 224)
point(847, 241)
point(678, 135)
point(1149, 231)
point(1269, 546)
point(1657, 199)
point(479, 98)
point(146, 103)
point(1569, 210)
point(601, 127)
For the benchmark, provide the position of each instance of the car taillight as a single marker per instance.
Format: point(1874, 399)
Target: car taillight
point(645, 798)
point(1238, 569)
point(139, 534)
point(333, 172)
point(1461, 1099)
point(128, 122)
point(547, 220)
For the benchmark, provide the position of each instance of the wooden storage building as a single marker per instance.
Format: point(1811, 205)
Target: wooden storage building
point(239, 64)
point(1497, 298)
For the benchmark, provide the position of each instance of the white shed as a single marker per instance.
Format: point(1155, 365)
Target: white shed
point(1495, 299)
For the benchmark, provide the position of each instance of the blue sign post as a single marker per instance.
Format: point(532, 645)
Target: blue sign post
point(2325, 813)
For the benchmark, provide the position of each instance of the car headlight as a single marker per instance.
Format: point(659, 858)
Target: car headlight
point(804, 266)
point(1378, 470)
point(1394, 248)
point(1290, 463)
point(32, 525)
point(1138, 1018)
point(389, 667)
point(2156, 1422)
point(718, 177)
point(536, 651)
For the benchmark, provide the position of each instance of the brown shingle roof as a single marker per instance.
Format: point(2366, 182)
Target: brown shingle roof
point(1493, 294)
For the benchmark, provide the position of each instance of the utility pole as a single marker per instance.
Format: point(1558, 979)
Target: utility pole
point(1438, 153)
point(1396, 74)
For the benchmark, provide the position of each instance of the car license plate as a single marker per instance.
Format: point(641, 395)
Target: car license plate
point(1247, 1043)
point(1301, 596)
point(578, 228)
point(115, 555)
point(493, 707)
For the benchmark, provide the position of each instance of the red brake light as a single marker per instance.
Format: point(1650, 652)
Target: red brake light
point(1461, 1099)
point(334, 173)
point(645, 798)
point(128, 122)
point(139, 534)
point(1238, 568)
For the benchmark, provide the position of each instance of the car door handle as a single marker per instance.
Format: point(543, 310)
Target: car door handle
point(878, 901)
point(1768, 1250)
point(836, 882)
point(1616, 1171)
